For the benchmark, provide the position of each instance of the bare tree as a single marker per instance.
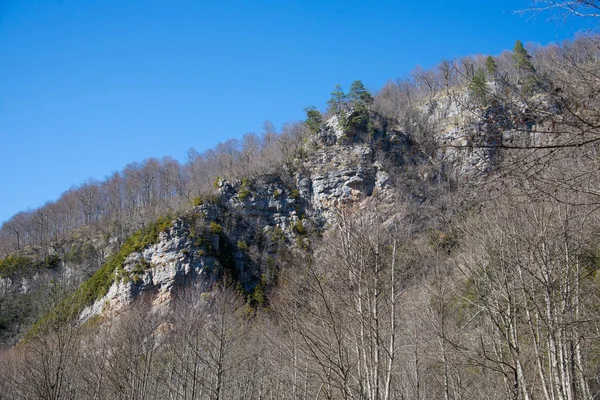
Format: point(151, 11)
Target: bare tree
point(565, 8)
point(206, 351)
point(51, 356)
point(528, 280)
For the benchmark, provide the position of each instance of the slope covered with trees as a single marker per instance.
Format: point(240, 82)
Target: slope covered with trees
point(439, 239)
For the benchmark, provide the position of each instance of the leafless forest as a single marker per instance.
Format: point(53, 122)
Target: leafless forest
point(459, 282)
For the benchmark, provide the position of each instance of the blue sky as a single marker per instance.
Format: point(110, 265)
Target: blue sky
point(90, 86)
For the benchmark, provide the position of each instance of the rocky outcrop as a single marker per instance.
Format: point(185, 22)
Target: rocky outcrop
point(336, 174)
point(160, 269)
point(468, 137)
point(266, 201)
point(339, 171)
point(341, 176)
point(343, 168)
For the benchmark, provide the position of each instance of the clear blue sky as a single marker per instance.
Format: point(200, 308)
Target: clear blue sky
point(89, 86)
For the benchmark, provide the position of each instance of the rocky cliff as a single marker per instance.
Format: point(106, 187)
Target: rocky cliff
point(240, 230)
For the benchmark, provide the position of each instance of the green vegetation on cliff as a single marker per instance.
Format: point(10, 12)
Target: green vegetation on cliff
point(100, 282)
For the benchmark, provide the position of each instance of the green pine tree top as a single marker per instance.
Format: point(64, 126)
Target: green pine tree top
point(337, 101)
point(521, 58)
point(359, 96)
point(314, 119)
point(491, 67)
point(478, 86)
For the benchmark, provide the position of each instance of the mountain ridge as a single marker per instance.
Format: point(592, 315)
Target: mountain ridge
point(461, 224)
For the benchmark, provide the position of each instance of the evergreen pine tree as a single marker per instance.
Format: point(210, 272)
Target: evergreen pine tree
point(478, 86)
point(313, 119)
point(491, 67)
point(359, 99)
point(526, 70)
point(337, 102)
point(359, 96)
point(338, 105)
point(521, 58)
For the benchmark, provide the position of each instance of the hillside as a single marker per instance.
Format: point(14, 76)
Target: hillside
point(437, 239)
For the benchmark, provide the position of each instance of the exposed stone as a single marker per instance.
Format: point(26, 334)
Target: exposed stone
point(173, 261)
point(341, 171)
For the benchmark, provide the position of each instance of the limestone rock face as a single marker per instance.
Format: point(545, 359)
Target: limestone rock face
point(267, 201)
point(468, 137)
point(334, 189)
point(468, 151)
point(160, 269)
point(340, 171)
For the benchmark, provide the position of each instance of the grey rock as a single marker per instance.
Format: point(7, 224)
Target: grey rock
point(171, 266)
